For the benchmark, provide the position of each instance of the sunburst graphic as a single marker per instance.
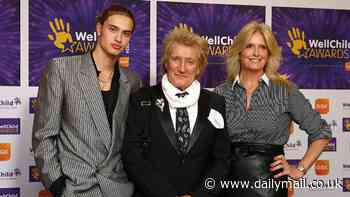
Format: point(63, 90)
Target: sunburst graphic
point(318, 24)
point(209, 20)
point(9, 43)
point(81, 15)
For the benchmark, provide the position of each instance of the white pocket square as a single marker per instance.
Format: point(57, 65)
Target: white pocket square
point(216, 119)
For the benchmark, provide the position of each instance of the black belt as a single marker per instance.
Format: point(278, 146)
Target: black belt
point(257, 148)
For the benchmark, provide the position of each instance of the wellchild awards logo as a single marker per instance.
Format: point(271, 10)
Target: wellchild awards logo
point(293, 145)
point(316, 48)
point(68, 41)
point(218, 45)
point(9, 174)
point(10, 103)
point(346, 124)
point(297, 42)
point(33, 104)
point(9, 126)
point(332, 145)
point(10, 192)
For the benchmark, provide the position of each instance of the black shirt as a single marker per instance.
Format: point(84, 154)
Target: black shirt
point(110, 97)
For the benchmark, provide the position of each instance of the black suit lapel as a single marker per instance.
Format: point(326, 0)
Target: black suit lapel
point(164, 117)
point(203, 112)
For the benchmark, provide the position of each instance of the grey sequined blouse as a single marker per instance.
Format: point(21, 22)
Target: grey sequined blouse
point(272, 107)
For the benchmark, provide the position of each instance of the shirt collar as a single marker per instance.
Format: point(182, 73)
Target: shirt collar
point(263, 78)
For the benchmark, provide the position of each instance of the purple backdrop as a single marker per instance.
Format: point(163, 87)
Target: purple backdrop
point(314, 61)
point(9, 43)
point(216, 22)
point(80, 14)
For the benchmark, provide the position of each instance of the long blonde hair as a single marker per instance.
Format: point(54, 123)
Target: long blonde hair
point(239, 44)
point(274, 61)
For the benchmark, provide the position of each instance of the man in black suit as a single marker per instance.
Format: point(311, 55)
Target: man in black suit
point(176, 136)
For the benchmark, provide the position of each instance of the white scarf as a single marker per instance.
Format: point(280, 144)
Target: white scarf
point(170, 92)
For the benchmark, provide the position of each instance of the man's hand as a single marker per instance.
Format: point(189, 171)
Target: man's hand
point(61, 34)
point(297, 41)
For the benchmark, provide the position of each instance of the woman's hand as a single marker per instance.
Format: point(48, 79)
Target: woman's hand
point(281, 163)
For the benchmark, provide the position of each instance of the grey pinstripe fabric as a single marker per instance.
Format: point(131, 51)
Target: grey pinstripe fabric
point(272, 107)
point(71, 134)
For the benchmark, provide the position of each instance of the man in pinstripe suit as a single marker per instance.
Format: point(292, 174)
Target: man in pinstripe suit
point(79, 124)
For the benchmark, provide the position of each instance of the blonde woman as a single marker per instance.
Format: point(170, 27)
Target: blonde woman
point(260, 104)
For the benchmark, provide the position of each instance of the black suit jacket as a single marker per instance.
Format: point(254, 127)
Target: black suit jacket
point(150, 155)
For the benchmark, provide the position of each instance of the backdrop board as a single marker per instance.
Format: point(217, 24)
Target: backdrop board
point(217, 23)
point(67, 27)
point(316, 46)
point(9, 43)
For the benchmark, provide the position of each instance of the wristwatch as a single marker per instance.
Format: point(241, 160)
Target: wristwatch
point(301, 168)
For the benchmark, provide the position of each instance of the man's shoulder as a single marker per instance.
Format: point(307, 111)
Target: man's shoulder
point(215, 100)
point(146, 92)
point(212, 95)
point(130, 74)
point(144, 98)
point(133, 78)
point(223, 87)
point(68, 59)
point(65, 63)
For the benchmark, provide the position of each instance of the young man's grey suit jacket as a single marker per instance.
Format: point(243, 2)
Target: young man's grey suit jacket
point(71, 133)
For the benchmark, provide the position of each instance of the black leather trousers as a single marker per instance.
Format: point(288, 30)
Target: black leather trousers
point(250, 171)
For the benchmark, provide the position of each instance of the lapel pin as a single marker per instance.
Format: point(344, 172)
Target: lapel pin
point(145, 103)
point(160, 104)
